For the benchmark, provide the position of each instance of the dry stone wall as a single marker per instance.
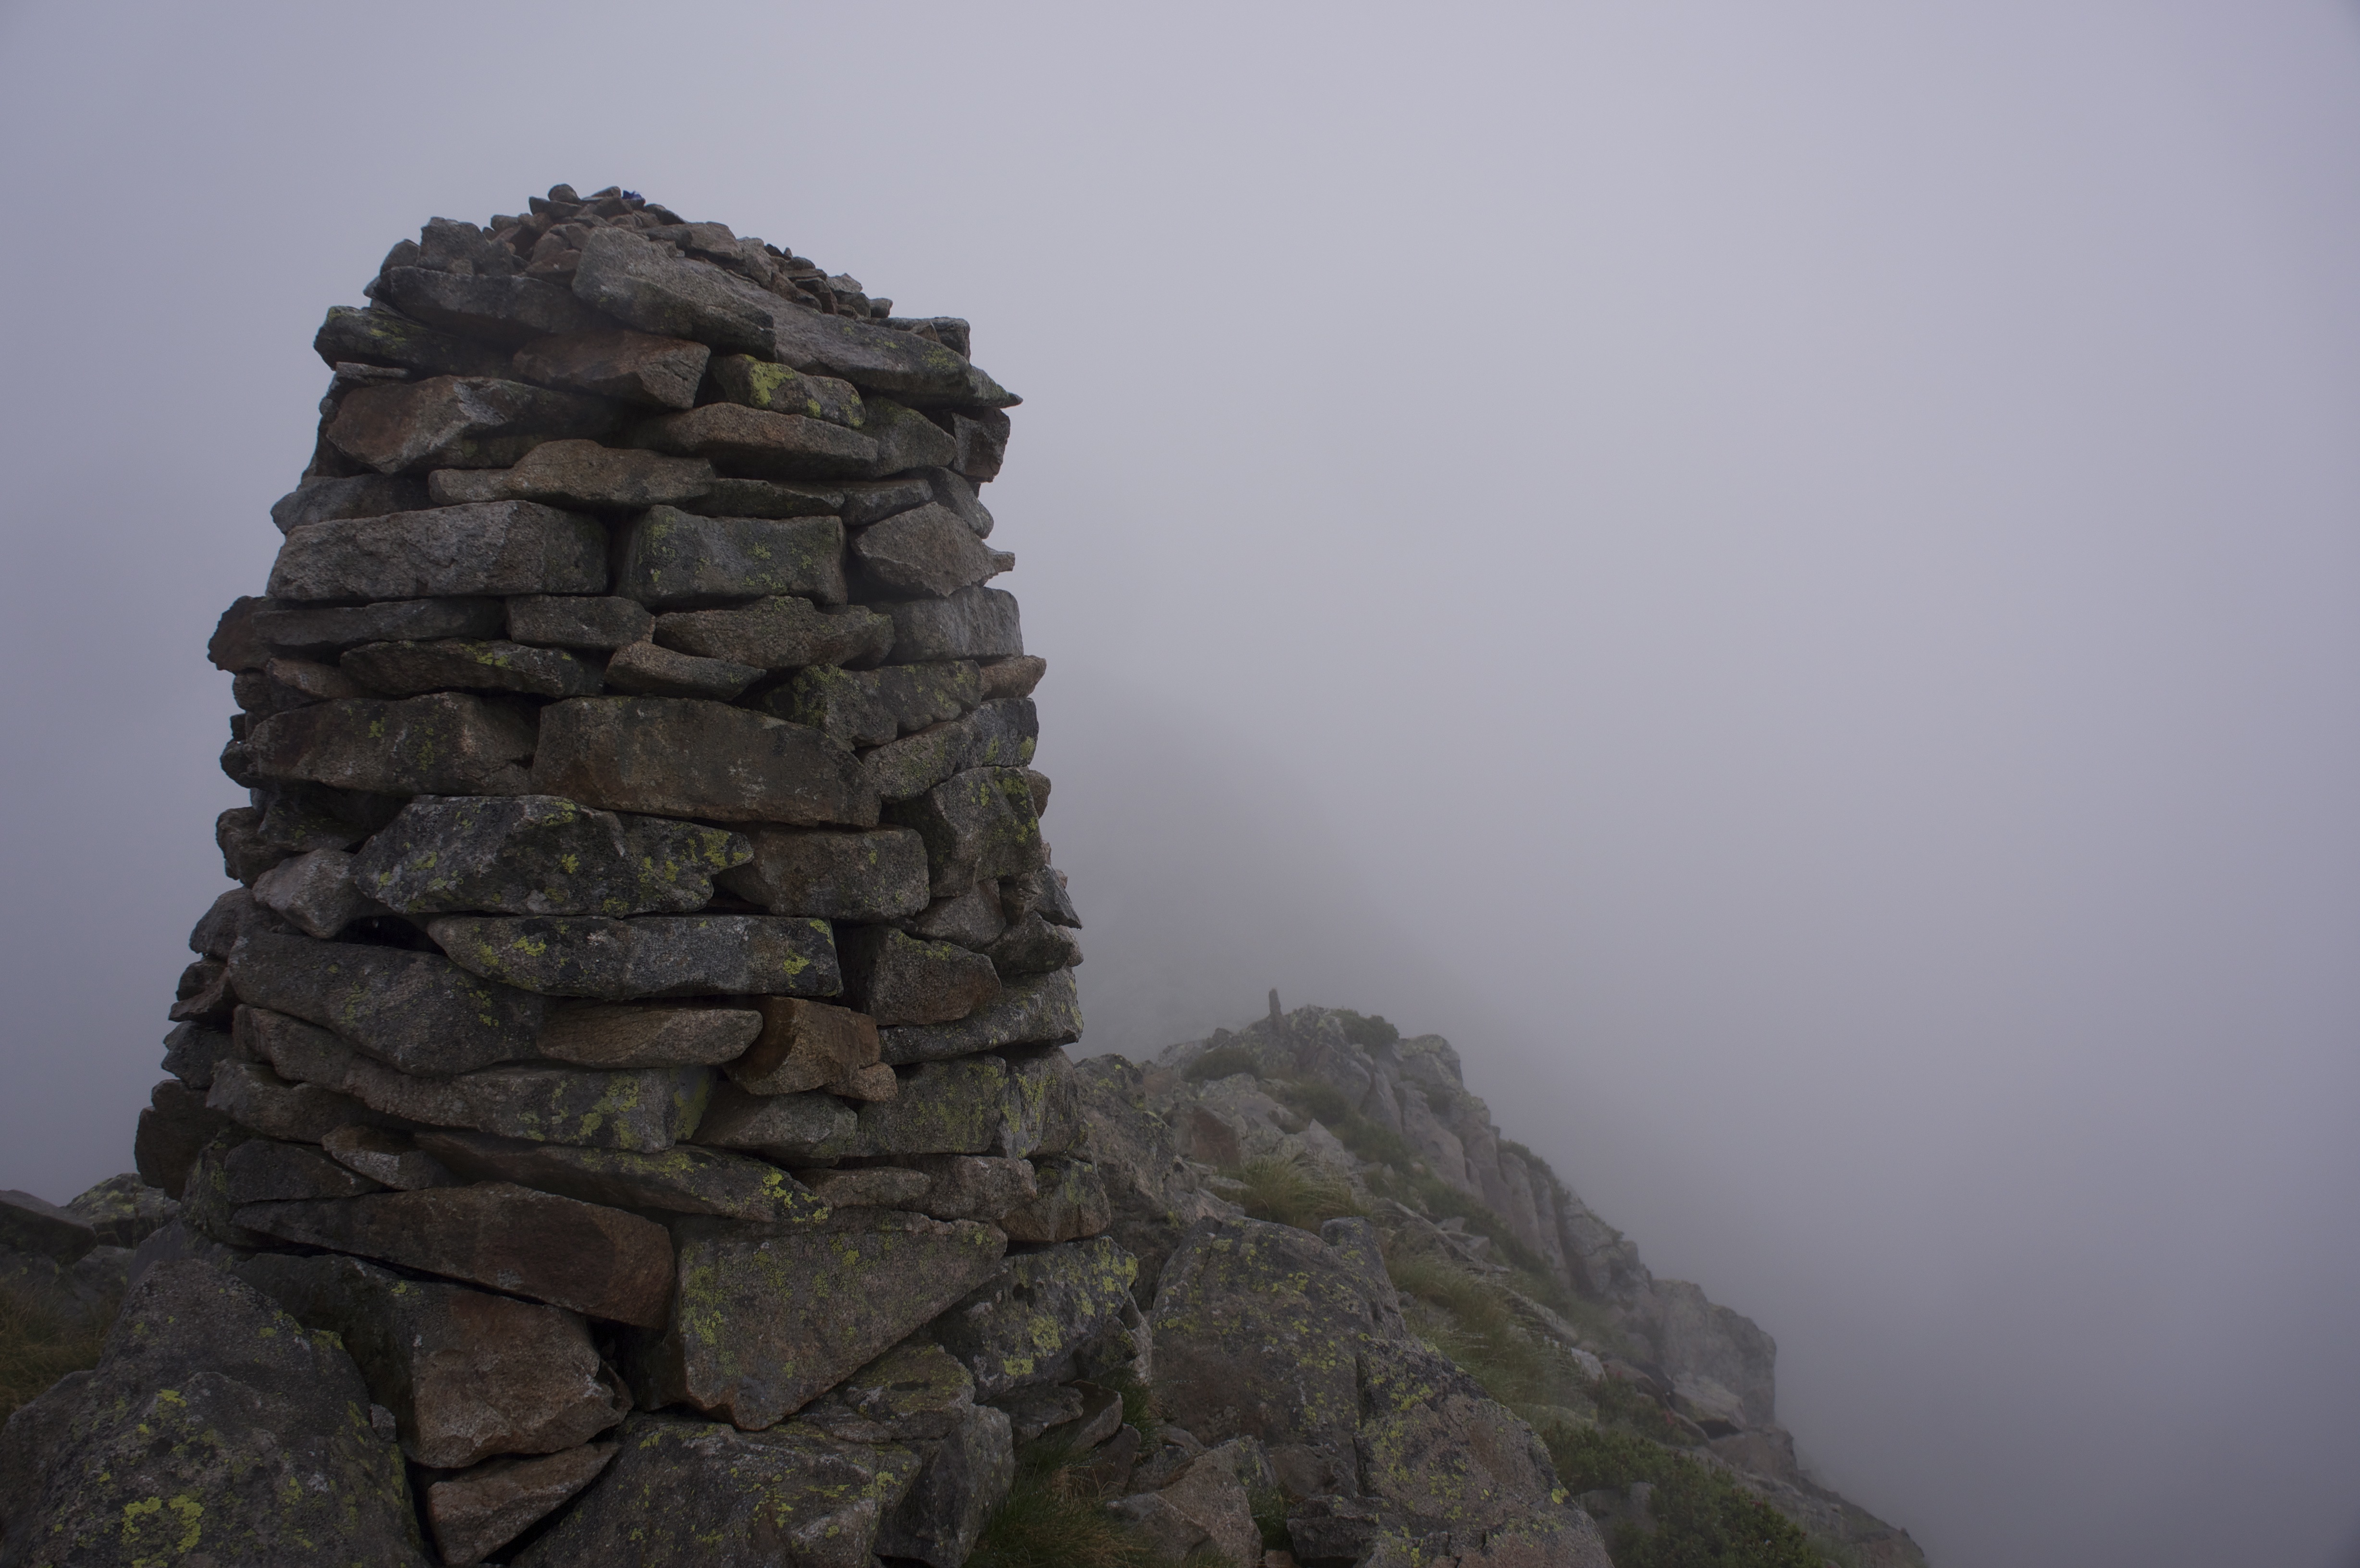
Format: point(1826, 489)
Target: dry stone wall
point(644, 980)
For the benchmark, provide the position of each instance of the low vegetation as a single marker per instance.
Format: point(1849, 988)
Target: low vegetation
point(1054, 1518)
point(40, 1342)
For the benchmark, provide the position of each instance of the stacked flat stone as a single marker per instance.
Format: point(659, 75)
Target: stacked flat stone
point(645, 980)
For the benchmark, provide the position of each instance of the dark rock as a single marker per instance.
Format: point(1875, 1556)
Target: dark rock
point(927, 552)
point(388, 1158)
point(1033, 946)
point(383, 337)
point(460, 421)
point(257, 1099)
point(1202, 1511)
point(1025, 1324)
point(32, 1224)
point(804, 1045)
point(1040, 784)
point(635, 366)
point(871, 355)
point(245, 853)
point(684, 1492)
point(771, 1316)
point(541, 855)
point(869, 707)
point(974, 623)
point(979, 823)
point(905, 439)
point(302, 816)
point(735, 498)
point(760, 384)
point(191, 1051)
point(647, 670)
point(412, 668)
point(613, 1037)
point(443, 745)
point(952, 489)
point(759, 444)
point(777, 634)
point(866, 877)
point(263, 1170)
point(681, 1181)
point(981, 438)
point(122, 1210)
point(873, 500)
point(1037, 1407)
point(914, 1392)
point(971, 918)
point(577, 474)
point(674, 557)
point(506, 310)
point(1002, 733)
point(1013, 677)
point(570, 621)
point(214, 1427)
point(644, 1110)
point(868, 1187)
point(670, 756)
point(597, 1262)
point(416, 1011)
point(498, 547)
point(972, 1186)
point(235, 645)
point(943, 1107)
point(474, 1514)
point(791, 1128)
point(899, 979)
point(467, 1375)
point(173, 1129)
point(1041, 891)
point(907, 767)
point(650, 955)
point(203, 995)
point(324, 629)
point(361, 495)
point(1069, 1202)
point(962, 1477)
point(654, 289)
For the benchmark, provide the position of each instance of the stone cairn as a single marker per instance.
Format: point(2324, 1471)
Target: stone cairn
point(643, 986)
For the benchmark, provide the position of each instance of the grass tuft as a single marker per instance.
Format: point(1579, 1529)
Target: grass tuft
point(1222, 1061)
point(1052, 1517)
point(1294, 1191)
point(1703, 1519)
point(40, 1342)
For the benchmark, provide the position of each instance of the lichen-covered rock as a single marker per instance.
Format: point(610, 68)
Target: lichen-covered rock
point(466, 1374)
point(1069, 1202)
point(1038, 1009)
point(598, 621)
point(674, 557)
point(898, 979)
point(122, 1210)
point(914, 1392)
point(1025, 1324)
point(415, 1011)
point(869, 707)
point(768, 1317)
point(761, 383)
point(877, 876)
point(683, 1493)
point(925, 552)
point(493, 549)
point(639, 367)
point(647, 955)
point(677, 757)
point(444, 744)
point(974, 623)
point(962, 1477)
point(214, 1427)
point(597, 1262)
point(645, 670)
point(319, 631)
point(1204, 1509)
point(460, 421)
point(542, 855)
point(979, 823)
point(1440, 1455)
point(943, 1108)
point(414, 668)
point(682, 1179)
point(762, 443)
point(778, 633)
point(266, 1170)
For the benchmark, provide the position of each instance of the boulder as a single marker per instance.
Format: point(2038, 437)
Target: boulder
point(460, 421)
point(1013, 677)
point(927, 552)
point(174, 1126)
point(213, 1425)
point(474, 1514)
point(761, 383)
point(683, 1493)
point(505, 311)
point(324, 629)
point(1040, 1009)
point(649, 955)
point(778, 633)
point(804, 1045)
point(1033, 946)
point(412, 668)
point(122, 1210)
point(869, 707)
point(374, 336)
point(867, 501)
point(971, 918)
point(257, 1099)
point(638, 367)
point(864, 877)
point(597, 1262)
point(912, 1393)
point(388, 1158)
point(447, 743)
point(952, 490)
point(589, 1035)
point(313, 892)
point(680, 1180)
point(467, 1374)
point(770, 1316)
point(899, 979)
point(905, 438)
point(191, 1051)
point(34, 1225)
point(576, 473)
point(976, 825)
point(654, 289)
point(907, 767)
point(674, 757)
point(647, 670)
point(962, 1477)
point(981, 437)
point(1069, 1202)
point(732, 496)
point(974, 623)
point(759, 443)
point(868, 1187)
point(324, 500)
point(262, 1170)
point(869, 355)
point(1023, 1325)
point(541, 855)
point(941, 1107)
point(417, 1011)
point(1204, 1512)
point(579, 621)
point(495, 548)
point(971, 1186)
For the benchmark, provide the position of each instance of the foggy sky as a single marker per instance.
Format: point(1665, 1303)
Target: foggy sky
point(1784, 575)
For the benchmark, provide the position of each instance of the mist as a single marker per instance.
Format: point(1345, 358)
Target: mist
point(1785, 576)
